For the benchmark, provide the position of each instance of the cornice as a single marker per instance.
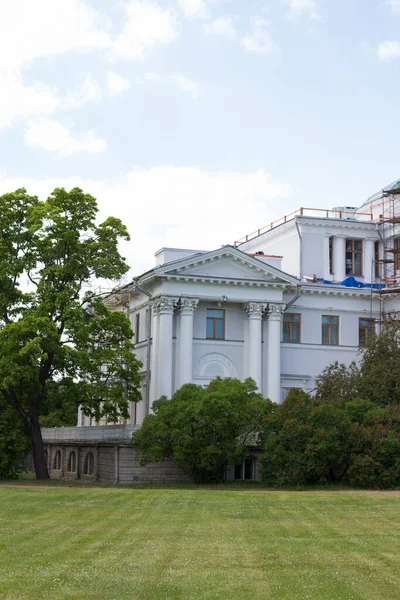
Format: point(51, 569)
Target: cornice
point(331, 290)
point(227, 281)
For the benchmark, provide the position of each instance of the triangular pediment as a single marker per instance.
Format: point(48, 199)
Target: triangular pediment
point(227, 263)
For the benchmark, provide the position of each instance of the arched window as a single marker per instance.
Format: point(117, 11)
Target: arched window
point(88, 468)
point(57, 461)
point(72, 462)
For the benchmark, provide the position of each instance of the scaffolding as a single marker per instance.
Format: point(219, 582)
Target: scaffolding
point(385, 206)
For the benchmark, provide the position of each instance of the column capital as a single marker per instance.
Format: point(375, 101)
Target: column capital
point(187, 306)
point(255, 310)
point(275, 312)
point(164, 305)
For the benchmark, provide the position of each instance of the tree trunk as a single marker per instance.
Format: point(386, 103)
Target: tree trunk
point(39, 457)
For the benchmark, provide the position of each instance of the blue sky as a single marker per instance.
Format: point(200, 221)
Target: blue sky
point(197, 121)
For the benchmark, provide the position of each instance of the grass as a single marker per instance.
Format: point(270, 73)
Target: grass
point(166, 544)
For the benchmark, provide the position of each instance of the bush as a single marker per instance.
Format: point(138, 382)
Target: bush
point(203, 430)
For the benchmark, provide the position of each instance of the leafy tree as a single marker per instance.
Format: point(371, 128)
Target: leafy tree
point(203, 430)
point(14, 443)
point(338, 381)
point(376, 378)
point(380, 367)
point(56, 338)
point(306, 439)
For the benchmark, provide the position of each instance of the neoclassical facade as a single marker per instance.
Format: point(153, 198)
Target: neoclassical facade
point(279, 306)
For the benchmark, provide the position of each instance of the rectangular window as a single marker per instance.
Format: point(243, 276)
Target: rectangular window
point(330, 330)
point(354, 256)
point(215, 324)
point(376, 260)
point(137, 328)
point(397, 254)
point(291, 328)
point(366, 330)
point(331, 243)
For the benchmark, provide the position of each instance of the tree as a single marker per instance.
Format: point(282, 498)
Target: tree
point(306, 439)
point(203, 430)
point(380, 367)
point(55, 335)
point(14, 443)
point(338, 381)
point(376, 378)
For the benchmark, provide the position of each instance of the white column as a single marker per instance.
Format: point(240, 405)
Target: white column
point(185, 353)
point(327, 271)
point(369, 255)
point(274, 352)
point(339, 258)
point(155, 305)
point(165, 358)
point(254, 312)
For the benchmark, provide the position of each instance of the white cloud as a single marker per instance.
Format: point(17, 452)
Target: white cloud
point(22, 101)
point(187, 85)
point(116, 84)
point(195, 9)
point(45, 28)
point(52, 136)
point(394, 5)
point(304, 7)
point(146, 25)
point(166, 191)
point(183, 83)
point(259, 41)
point(388, 50)
point(88, 92)
point(222, 26)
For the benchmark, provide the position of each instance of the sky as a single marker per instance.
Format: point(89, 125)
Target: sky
point(198, 121)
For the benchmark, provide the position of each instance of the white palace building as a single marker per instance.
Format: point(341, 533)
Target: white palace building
point(279, 306)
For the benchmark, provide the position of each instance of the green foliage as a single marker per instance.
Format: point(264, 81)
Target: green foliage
point(58, 346)
point(308, 439)
point(14, 444)
point(380, 367)
point(203, 430)
point(338, 381)
point(305, 440)
point(376, 378)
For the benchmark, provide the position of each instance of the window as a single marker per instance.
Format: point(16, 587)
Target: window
point(376, 260)
point(354, 257)
point(330, 330)
point(88, 467)
point(137, 327)
point(291, 328)
point(215, 327)
point(57, 461)
point(397, 254)
point(366, 330)
point(331, 255)
point(71, 462)
point(245, 470)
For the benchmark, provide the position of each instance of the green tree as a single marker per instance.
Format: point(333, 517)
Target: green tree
point(377, 377)
point(14, 443)
point(59, 334)
point(338, 381)
point(203, 430)
point(380, 367)
point(306, 439)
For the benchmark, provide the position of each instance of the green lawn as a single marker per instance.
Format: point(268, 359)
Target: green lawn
point(109, 543)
